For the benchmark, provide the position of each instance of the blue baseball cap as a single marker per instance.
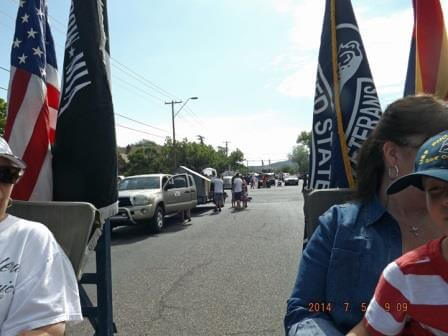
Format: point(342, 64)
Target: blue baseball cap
point(431, 161)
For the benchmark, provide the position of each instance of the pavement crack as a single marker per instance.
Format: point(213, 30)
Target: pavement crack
point(162, 306)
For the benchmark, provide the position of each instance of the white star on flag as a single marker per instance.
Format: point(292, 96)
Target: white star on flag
point(17, 43)
point(32, 33)
point(40, 13)
point(22, 2)
point(37, 51)
point(71, 52)
point(22, 59)
point(25, 18)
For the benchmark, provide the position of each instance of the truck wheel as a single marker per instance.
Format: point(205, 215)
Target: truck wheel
point(158, 221)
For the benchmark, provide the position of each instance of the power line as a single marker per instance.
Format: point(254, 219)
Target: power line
point(4, 69)
point(142, 123)
point(137, 88)
point(3, 88)
point(138, 78)
point(136, 130)
point(158, 88)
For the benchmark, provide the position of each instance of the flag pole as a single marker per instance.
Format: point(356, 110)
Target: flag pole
point(337, 103)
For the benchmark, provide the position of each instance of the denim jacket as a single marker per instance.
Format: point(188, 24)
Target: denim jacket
point(340, 268)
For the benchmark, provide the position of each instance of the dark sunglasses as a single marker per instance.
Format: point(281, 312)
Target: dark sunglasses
point(10, 175)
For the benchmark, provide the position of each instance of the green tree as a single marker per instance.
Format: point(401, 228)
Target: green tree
point(301, 152)
point(121, 164)
point(300, 155)
point(286, 169)
point(304, 139)
point(234, 160)
point(146, 157)
point(3, 111)
point(144, 160)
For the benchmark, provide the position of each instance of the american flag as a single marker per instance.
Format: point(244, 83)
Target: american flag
point(33, 99)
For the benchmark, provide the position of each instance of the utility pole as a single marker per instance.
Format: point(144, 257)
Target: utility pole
point(227, 147)
point(174, 130)
point(227, 152)
point(173, 115)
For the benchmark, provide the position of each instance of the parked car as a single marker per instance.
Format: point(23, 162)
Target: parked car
point(203, 184)
point(227, 182)
point(291, 180)
point(149, 198)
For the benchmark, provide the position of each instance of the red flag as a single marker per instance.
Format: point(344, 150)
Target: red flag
point(428, 59)
point(33, 99)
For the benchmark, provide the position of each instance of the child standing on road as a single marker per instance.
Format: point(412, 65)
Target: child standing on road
point(411, 297)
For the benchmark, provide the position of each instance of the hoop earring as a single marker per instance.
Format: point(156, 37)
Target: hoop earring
point(9, 203)
point(394, 173)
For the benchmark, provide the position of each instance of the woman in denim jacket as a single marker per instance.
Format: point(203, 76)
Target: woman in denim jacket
point(344, 258)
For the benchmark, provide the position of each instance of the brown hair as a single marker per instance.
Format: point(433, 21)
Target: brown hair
point(413, 116)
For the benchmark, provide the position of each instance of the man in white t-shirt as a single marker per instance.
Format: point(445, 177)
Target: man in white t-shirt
point(38, 287)
point(238, 189)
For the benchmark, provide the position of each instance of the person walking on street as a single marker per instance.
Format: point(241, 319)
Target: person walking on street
point(218, 193)
point(253, 181)
point(238, 189)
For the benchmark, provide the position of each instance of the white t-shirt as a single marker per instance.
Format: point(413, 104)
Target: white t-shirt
point(218, 186)
point(38, 286)
point(237, 185)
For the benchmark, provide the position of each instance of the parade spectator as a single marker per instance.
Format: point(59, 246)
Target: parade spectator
point(265, 181)
point(218, 193)
point(233, 192)
point(411, 295)
point(244, 194)
point(253, 181)
point(238, 189)
point(354, 242)
point(39, 291)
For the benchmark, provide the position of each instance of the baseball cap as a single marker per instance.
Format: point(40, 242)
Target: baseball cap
point(431, 161)
point(6, 152)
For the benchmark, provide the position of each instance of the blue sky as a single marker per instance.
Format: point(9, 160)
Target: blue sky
point(252, 63)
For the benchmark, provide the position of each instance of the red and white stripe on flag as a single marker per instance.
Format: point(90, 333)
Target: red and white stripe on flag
point(33, 99)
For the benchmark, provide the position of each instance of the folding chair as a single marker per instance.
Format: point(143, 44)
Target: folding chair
point(317, 201)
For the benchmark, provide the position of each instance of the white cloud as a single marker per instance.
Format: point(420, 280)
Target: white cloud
point(386, 40)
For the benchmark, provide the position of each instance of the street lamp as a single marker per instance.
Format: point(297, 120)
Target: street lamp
point(173, 115)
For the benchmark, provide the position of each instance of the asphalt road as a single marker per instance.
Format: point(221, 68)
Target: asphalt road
point(227, 273)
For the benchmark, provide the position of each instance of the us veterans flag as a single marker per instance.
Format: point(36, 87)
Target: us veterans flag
point(346, 105)
point(428, 58)
point(85, 159)
point(33, 98)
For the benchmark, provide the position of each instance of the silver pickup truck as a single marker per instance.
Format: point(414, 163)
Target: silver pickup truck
point(149, 198)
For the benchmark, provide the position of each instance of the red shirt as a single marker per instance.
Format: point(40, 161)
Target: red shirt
point(411, 297)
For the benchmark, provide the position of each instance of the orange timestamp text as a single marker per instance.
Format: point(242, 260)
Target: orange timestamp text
point(326, 307)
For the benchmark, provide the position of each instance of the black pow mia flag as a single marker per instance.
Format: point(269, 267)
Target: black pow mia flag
point(84, 153)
